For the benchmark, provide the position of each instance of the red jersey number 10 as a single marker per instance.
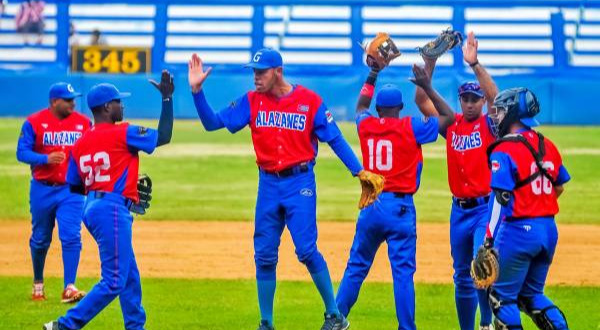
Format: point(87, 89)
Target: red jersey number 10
point(92, 167)
point(380, 154)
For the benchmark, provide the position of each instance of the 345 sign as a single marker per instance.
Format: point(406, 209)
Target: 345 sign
point(109, 59)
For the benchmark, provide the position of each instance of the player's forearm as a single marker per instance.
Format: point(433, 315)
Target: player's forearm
point(488, 85)
point(31, 157)
point(165, 123)
point(366, 92)
point(446, 115)
point(342, 149)
point(559, 190)
point(421, 99)
point(208, 117)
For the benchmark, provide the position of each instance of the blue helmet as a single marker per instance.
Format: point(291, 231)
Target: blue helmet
point(512, 105)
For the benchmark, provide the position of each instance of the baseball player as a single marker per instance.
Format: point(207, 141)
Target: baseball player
point(286, 122)
point(527, 178)
point(467, 139)
point(46, 139)
point(104, 166)
point(391, 146)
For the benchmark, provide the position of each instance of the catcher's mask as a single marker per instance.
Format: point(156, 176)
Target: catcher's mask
point(512, 105)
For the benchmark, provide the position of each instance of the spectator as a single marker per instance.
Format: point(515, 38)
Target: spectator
point(97, 38)
point(73, 36)
point(30, 20)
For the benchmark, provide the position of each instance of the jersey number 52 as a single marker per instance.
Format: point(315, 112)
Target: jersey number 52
point(92, 167)
point(380, 154)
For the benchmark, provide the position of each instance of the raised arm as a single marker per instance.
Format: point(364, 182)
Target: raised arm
point(196, 77)
point(421, 99)
point(423, 80)
point(165, 123)
point(366, 92)
point(486, 82)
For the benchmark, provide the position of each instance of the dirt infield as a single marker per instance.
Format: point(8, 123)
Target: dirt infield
point(223, 250)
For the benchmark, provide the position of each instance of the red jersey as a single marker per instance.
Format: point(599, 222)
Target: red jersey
point(392, 147)
point(512, 162)
point(106, 158)
point(282, 128)
point(51, 134)
point(466, 146)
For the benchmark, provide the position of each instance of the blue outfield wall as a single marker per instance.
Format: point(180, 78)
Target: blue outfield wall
point(565, 100)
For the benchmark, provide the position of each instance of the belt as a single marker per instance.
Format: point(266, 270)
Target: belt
point(300, 168)
point(469, 203)
point(51, 184)
point(111, 197)
point(397, 194)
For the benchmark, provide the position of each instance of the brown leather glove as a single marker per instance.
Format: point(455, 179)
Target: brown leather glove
point(372, 185)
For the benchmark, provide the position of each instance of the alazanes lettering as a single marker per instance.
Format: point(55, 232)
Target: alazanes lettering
point(466, 142)
point(285, 120)
point(63, 138)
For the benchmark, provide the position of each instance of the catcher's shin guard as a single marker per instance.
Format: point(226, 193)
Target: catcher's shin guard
point(496, 304)
point(540, 316)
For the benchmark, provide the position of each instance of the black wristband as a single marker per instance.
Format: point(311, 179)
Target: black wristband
point(474, 64)
point(372, 77)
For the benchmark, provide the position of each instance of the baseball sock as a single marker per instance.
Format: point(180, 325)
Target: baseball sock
point(266, 295)
point(38, 256)
point(323, 282)
point(70, 263)
point(466, 308)
point(484, 308)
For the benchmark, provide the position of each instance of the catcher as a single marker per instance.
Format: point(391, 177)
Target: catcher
point(391, 146)
point(527, 179)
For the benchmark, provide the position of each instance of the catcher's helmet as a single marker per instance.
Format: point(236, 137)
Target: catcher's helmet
point(514, 105)
point(518, 102)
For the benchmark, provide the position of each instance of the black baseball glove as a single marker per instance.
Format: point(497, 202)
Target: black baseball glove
point(443, 43)
point(144, 187)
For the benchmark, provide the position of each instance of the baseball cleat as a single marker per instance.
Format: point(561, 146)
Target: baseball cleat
point(52, 325)
point(71, 294)
point(37, 293)
point(264, 325)
point(335, 322)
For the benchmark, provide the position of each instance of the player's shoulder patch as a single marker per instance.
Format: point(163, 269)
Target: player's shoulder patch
point(329, 116)
point(495, 166)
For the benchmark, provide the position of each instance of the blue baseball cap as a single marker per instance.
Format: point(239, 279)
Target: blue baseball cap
point(104, 93)
point(470, 87)
point(389, 96)
point(265, 58)
point(63, 90)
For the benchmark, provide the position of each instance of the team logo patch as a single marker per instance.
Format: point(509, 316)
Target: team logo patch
point(303, 107)
point(142, 131)
point(476, 126)
point(382, 120)
point(306, 192)
point(527, 227)
point(79, 127)
point(70, 88)
point(329, 116)
point(495, 166)
point(44, 125)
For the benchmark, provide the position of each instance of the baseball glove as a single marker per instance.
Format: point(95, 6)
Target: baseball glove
point(144, 187)
point(380, 51)
point(443, 43)
point(485, 267)
point(372, 185)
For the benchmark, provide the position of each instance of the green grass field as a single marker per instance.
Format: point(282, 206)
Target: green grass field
point(227, 305)
point(212, 176)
